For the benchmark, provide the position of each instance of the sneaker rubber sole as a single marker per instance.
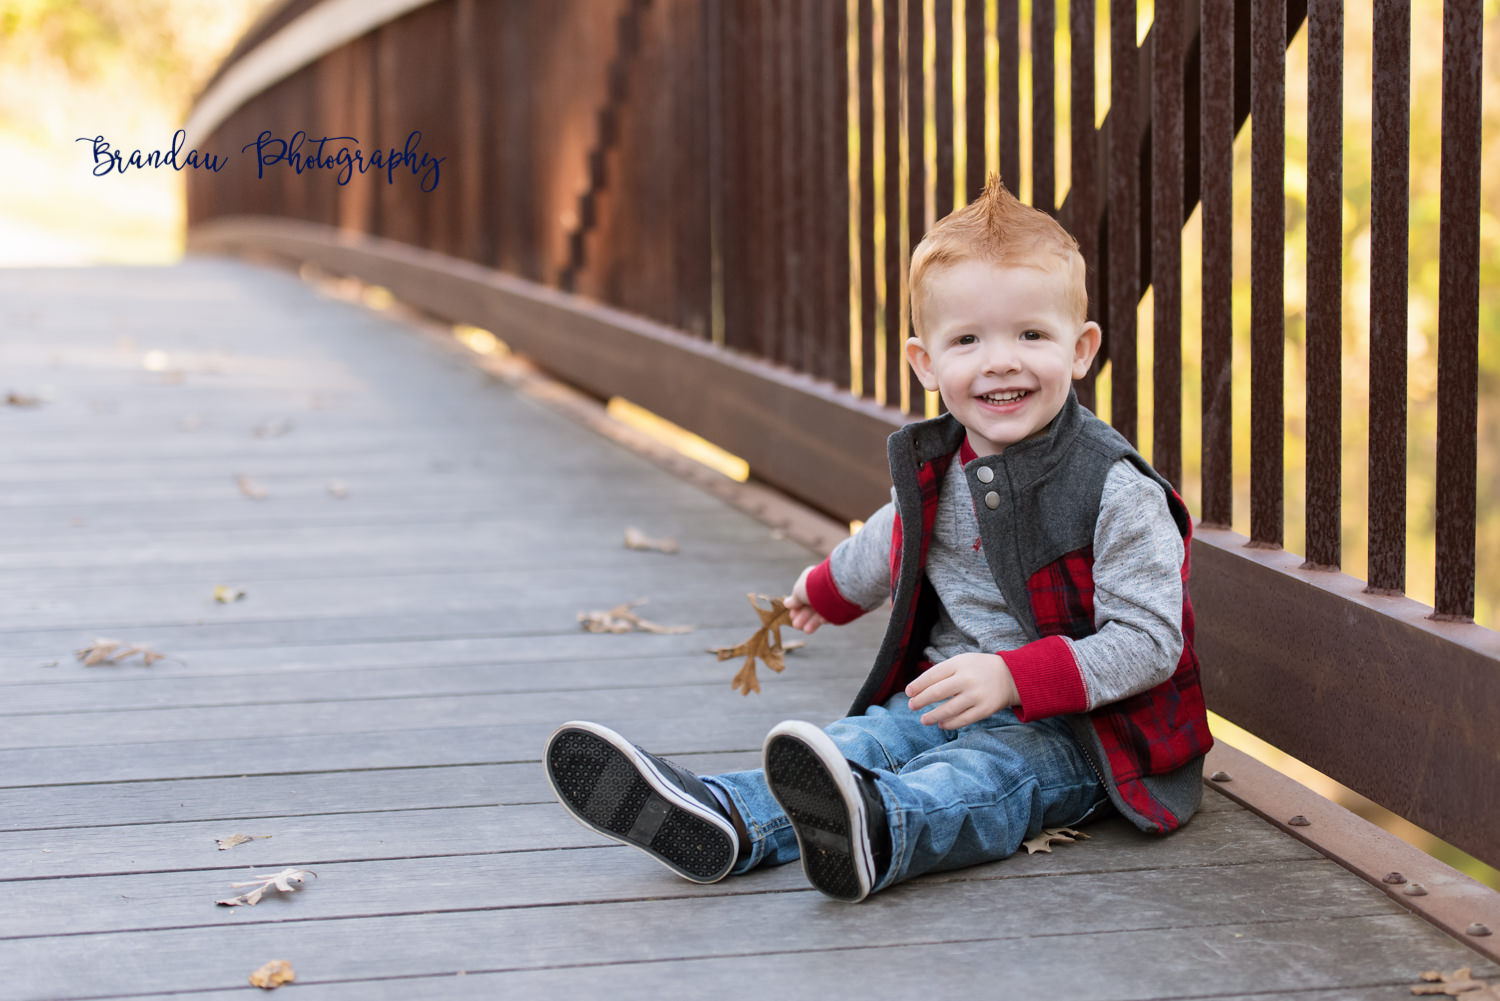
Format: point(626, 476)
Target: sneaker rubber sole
point(609, 785)
point(815, 786)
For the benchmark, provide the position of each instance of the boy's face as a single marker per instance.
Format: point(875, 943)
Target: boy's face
point(1001, 348)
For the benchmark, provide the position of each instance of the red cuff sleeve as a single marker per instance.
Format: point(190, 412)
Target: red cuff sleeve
point(1047, 679)
point(823, 594)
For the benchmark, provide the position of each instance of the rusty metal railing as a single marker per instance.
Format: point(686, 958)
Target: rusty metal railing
point(706, 206)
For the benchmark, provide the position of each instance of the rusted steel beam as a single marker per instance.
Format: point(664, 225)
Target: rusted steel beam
point(1083, 195)
point(1043, 106)
point(1167, 140)
point(1451, 900)
point(1325, 279)
point(1122, 257)
point(1216, 166)
point(822, 338)
point(916, 150)
point(758, 99)
point(868, 280)
point(1458, 308)
point(1267, 270)
point(789, 201)
point(1389, 217)
point(693, 100)
point(974, 99)
point(943, 167)
point(1392, 704)
point(1008, 35)
point(894, 261)
point(837, 118)
point(737, 188)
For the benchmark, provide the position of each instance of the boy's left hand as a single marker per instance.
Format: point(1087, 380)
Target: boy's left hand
point(975, 685)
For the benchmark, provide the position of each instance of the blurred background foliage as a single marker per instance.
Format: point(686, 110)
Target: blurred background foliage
point(124, 69)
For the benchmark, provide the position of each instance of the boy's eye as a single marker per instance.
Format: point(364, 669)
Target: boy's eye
point(1032, 335)
point(967, 339)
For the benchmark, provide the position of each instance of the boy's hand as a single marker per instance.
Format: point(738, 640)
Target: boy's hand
point(804, 617)
point(976, 686)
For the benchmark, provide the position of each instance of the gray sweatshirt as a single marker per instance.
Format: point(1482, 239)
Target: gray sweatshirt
point(1137, 574)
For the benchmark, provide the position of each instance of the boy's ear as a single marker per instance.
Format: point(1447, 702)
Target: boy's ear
point(921, 363)
point(1084, 349)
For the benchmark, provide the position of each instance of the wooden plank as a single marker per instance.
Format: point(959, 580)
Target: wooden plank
point(76, 807)
point(270, 657)
point(551, 593)
point(1108, 967)
point(413, 748)
point(284, 712)
point(540, 880)
point(1217, 838)
point(144, 691)
point(1114, 963)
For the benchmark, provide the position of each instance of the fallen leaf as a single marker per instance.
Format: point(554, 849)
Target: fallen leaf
point(337, 489)
point(251, 489)
point(106, 651)
point(621, 619)
point(1052, 836)
point(273, 975)
point(224, 595)
point(764, 644)
point(14, 399)
point(1458, 982)
point(286, 881)
point(238, 839)
point(636, 539)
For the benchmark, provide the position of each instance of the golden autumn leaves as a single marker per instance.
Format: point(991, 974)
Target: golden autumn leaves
point(763, 645)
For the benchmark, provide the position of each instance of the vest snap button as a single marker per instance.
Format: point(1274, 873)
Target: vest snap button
point(992, 500)
point(985, 474)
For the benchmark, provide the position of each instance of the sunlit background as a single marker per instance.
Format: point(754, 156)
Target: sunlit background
point(124, 69)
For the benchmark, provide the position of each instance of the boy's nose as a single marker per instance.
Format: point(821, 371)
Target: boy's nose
point(1000, 358)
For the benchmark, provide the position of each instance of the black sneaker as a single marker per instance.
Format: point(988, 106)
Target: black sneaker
point(639, 799)
point(834, 807)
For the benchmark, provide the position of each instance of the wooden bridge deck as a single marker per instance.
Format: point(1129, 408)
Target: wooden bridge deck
point(377, 701)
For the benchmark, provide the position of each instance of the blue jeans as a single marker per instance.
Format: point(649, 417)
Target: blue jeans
point(952, 798)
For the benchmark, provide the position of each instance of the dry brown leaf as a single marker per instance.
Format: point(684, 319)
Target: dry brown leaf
point(285, 881)
point(238, 839)
point(764, 644)
point(338, 489)
point(621, 619)
point(1053, 836)
point(273, 975)
point(225, 595)
point(1458, 982)
point(251, 489)
point(107, 651)
point(14, 399)
point(636, 539)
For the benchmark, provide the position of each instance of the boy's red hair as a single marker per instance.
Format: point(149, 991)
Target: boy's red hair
point(999, 229)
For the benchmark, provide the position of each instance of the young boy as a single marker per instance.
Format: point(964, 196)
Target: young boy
point(1038, 668)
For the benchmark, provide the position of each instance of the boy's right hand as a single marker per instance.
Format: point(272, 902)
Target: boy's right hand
point(804, 616)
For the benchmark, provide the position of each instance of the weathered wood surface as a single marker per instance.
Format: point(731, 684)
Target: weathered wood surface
point(378, 701)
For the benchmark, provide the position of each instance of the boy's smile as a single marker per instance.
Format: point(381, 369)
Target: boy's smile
point(1002, 349)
